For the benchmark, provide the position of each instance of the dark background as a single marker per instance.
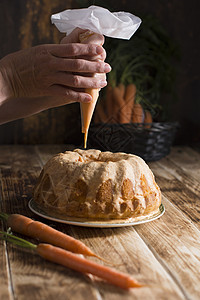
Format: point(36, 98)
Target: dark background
point(27, 23)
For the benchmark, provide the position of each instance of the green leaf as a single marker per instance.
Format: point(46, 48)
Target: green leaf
point(16, 240)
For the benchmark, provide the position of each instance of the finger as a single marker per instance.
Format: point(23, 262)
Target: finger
point(99, 76)
point(77, 81)
point(92, 38)
point(100, 57)
point(68, 95)
point(75, 49)
point(73, 37)
point(80, 65)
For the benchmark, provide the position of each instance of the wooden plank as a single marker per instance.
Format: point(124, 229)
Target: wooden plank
point(6, 291)
point(196, 146)
point(178, 186)
point(33, 277)
point(127, 251)
point(38, 279)
point(5, 281)
point(187, 159)
point(148, 253)
point(16, 186)
point(45, 152)
point(175, 241)
point(18, 158)
point(117, 247)
point(20, 168)
point(184, 164)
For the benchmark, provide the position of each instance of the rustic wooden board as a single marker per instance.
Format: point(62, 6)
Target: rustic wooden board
point(179, 183)
point(126, 256)
point(156, 253)
point(20, 168)
point(125, 248)
point(188, 172)
point(5, 280)
point(191, 159)
point(176, 243)
point(45, 153)
point(32, 277)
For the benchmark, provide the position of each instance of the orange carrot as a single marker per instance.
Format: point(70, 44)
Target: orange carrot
point(118, 103)
point(118, 97)
point(124, 111)
point(109, 101)
point(138, 113)
point(45, 233)
point(130, 92)
point(122, 89)
point(129, 97)
point(83, 265)
point(123, 114)
point(127, 108)
point(75, 262)
point(148, 119)
point(110, 105)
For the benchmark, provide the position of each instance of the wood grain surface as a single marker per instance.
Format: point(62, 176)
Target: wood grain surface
point(163, 254)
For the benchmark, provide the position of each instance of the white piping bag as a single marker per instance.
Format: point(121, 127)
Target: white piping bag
point(95, 19)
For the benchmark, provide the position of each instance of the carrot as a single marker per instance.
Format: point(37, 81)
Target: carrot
point(118, 103)
point(129, 97)
point(125, 98)
point(124, 111)
point(122, 89)
point(118, 99)
point(83, 265)
point(75, 262)
point(109, 102)
point(45, 233)
point(130, 92)
point(123, 114)
point(138, 113)
point(148, 119)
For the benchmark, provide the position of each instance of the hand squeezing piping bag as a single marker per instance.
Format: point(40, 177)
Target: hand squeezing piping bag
point(95, 19)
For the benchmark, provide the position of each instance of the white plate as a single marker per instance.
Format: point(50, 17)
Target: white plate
point(34, 207)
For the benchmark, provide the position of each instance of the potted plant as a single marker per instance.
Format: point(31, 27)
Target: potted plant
point(134, 113)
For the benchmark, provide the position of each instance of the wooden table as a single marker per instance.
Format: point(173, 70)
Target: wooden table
point(164, 254)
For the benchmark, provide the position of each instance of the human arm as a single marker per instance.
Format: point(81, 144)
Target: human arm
point(46, 76)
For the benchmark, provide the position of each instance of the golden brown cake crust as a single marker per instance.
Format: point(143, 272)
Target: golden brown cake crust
point(97, 185)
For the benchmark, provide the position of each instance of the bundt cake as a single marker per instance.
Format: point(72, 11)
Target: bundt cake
point(97, 185)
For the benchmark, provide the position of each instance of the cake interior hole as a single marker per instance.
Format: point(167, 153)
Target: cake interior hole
point(101, 159)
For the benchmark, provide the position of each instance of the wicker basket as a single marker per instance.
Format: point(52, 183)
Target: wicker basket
point(149, 141)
